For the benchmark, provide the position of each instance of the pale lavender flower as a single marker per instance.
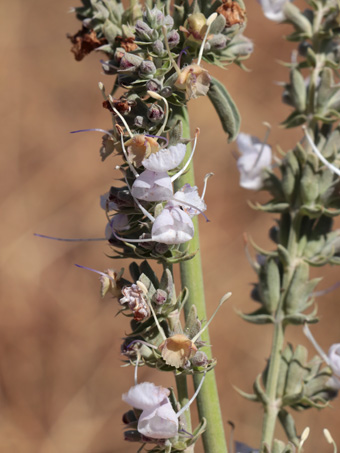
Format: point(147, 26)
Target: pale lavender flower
point(332, 358)
point(273, 9)
point(172, 226)
point(158, 419)
point(255, 157)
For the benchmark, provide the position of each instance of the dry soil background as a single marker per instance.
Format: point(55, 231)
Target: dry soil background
point(60, 375)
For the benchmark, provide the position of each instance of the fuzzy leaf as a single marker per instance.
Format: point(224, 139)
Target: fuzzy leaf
point(225, 108)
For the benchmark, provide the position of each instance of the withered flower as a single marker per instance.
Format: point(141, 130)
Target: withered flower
point(134, 296)
point(127, 43)
point(232, 12)
point(110, 282)
point(139, 147)
point(84, 41)
point(177, 350)
point(195, 27)
point(195, 80)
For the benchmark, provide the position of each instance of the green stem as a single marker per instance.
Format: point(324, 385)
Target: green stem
point(273, 404)
point(192, 278)
point(183, 398)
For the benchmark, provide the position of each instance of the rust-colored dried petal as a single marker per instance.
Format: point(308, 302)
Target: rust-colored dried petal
point(177, 350)
point(127, 44)
point(232, 12)
point(84, 42)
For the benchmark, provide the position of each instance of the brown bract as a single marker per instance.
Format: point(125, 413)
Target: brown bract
point(84, 42)
point(177, 350)
point(232, 12)
point(140, 147)
point(195, 80)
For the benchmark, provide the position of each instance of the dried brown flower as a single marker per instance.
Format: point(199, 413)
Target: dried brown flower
point(177, 350)
point(84, 41)
point(127, 44)
point(232, 12)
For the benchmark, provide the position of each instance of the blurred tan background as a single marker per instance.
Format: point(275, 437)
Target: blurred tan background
point(61, 378)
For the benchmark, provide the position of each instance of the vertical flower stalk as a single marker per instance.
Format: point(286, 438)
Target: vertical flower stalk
point(192, 278)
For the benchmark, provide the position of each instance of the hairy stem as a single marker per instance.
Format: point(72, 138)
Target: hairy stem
point(192, 278)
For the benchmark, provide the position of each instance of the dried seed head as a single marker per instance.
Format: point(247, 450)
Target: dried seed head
point(195, 80)
point(140, 147)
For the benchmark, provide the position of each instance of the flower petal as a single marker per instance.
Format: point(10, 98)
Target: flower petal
point(166, 159)
point(152, 186)
point(160, 422)
point(146, 395)
point(172, 226)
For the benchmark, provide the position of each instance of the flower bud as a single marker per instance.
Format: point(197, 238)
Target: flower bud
point(241, 46)
point(200, 359)
point(218, 42)
point(173, 38)
point(155, 113)
point(158, 47)
point(147, 68)
point(153, 85)
point(130, 61)
point(143, 30)
point(160, 297)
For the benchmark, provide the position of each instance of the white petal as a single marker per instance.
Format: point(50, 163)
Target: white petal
point(334, 358)
point(273, 9)
point(152, 186)
point(145, 395)
point(189, 196)
point(172, 226)
point(165, 159)
point(160, 422)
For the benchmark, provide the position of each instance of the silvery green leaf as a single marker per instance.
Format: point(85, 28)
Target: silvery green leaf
point(288, 425)
point(286, 357)
point(290, 170)
point(300, 319)
point(134, 271)
point(218, 25)
point(296, 371)
point(278, 446)
point(225, 108)
point(148, 284)
point(175, 133)
point(294, 119)
point(296, 294)
point(309, 191)
point(298, 90)
point(257, 317)
point(296, 18)
point(110, 31)
point(192, 324)
point(270, 287)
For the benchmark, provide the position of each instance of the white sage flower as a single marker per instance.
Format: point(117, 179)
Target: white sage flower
point(158, 419)
point(255, 157)
point(172, 226)
point(332, 358)
point(273, 9)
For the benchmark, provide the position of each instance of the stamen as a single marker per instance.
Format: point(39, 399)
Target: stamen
point(131, 240)
point(210, 20)
point(332, 167)
point(224, 298)
point(158, 136)
point(102, 89)
point(265, 140)
point(120, 116)
point(174, 64)
point(182, 52)
point(330, 439)
point(157, 96)
point(95, 129)
point(310, 337)
point(182, 170)
point(97, 272)
point(304, 437)
point(144, 211)
point(327, 290)
point(206, 177)
point(184, 408)
point(191, 206)
point(132, 168)
point(161, 331)
point(68, 239)
point(136, 368)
